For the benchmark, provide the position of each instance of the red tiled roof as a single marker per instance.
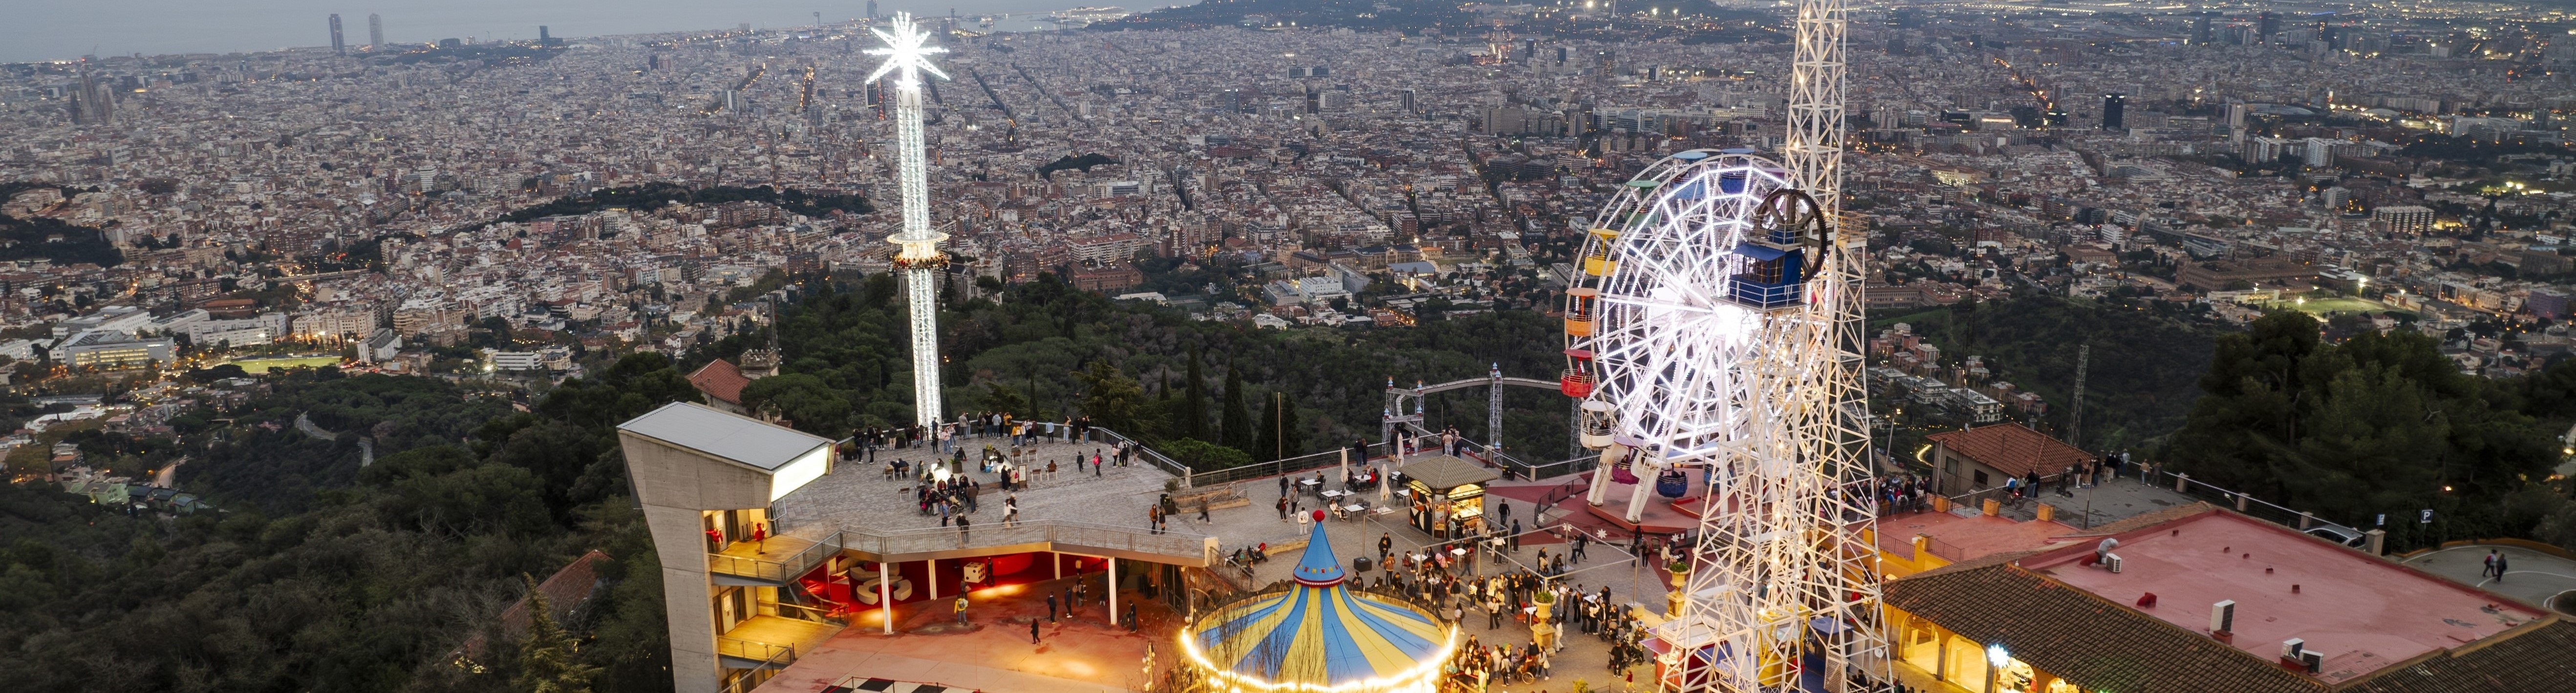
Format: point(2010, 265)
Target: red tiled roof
point(720, 380)
point(2013, 449)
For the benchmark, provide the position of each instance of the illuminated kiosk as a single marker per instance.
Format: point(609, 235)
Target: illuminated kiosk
point(1318, 636)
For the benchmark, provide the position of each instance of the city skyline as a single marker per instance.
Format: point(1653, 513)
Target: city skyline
point(1698, 350)
point(169, 27)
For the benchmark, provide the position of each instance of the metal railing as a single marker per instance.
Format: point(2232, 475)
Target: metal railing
point(771, 658)
point(1063, 532)
point(2243, 503)
point(1279, 467)
point(1145, 452)
point(778, 571)
point(806, 613)
point(1512, 467)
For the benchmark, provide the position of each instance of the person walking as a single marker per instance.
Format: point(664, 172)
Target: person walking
point(1131, 617)
point(1033, 631)
point(1581, 538)
point(1203, 512)
point(2489, 569)
point(1011, 510)
point(961, 530)
point(959, 610)
point(1503, 510)
point(2499, 569)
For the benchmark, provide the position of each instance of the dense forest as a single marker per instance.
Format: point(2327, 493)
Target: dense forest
point(2132, 395)
point(655, 195)
point(2380, 424)
point(1029, 350)
point(321, 575)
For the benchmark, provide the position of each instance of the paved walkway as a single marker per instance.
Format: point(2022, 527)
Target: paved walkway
point(2530, 577)
point(2111, 501)
point(859, 494)
point(1080, 652)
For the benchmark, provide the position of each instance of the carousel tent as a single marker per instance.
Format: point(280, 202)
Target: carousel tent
point(1317, 635)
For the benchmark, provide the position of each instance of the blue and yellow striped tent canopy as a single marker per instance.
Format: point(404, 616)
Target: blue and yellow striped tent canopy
point(1318, 634)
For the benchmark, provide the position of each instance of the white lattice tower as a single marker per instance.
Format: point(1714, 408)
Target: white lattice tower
point(1842, 576)
point(1683, 369)
point(917, 251)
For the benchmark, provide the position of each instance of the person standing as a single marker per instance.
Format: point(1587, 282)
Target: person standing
point(1503, 510)
point(961, 530)
point(2489, 568)
point(2499, 569)
point(959, 610)
point(1131, 617)
point(1051, 605)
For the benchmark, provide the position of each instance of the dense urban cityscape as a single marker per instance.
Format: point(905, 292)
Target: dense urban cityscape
point(610, 362)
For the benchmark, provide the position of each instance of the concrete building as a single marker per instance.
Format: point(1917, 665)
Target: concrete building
point(740, 611)
point(111, 349)
point(2407, 219)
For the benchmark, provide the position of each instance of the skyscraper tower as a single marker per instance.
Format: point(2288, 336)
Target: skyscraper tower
point(2268, 24)
point(2114, 111)
point(338, 47)
point(872, 10)
point(2200, 31)
point(917, 246)
point(375, 30)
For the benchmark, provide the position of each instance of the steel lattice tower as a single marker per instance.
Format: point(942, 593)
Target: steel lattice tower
point(1716, 328)
point(917, 252)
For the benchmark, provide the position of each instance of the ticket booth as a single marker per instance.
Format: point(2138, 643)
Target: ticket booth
point(1444, 492)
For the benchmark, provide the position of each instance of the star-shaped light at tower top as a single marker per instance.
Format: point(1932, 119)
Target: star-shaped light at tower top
point(907, 50)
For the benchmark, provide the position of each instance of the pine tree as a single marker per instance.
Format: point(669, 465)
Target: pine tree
point(1194, 401)
point(1236, 420)
point(546, 658)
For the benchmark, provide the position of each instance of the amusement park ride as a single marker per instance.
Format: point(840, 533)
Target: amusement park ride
point(1712, 333)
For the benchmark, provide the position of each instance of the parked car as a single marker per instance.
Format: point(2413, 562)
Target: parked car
point(2339, 535)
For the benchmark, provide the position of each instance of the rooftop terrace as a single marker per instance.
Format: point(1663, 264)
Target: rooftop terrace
point(2363, 614)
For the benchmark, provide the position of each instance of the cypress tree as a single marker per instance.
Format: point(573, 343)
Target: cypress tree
point(1194, 401)
point(1277, 432)
point(1236, 420)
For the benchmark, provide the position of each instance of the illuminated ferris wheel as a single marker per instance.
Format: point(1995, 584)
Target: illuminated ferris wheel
point(1711, 332)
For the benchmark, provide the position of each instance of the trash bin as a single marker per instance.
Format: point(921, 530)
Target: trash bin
point(1360, 564)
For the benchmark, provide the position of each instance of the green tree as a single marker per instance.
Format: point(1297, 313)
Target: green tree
point(1000, 397)
point(1115, 401)
point(805, 400)
point(1202, 455)
point(547, 657)
point(1194, 402)
point(1236, 419)
point(2376, 424)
